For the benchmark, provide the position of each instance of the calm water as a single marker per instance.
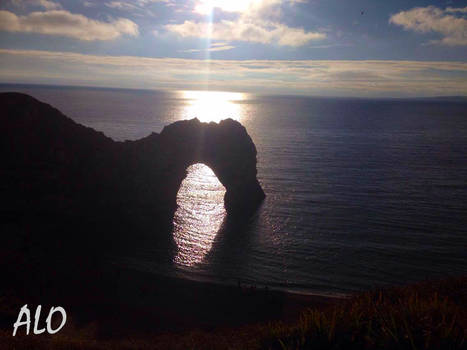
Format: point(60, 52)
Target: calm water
point(359, 192)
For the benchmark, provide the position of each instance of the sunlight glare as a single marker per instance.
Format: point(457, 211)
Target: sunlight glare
point(199, 215)
point(212, 106)
point(205, 7)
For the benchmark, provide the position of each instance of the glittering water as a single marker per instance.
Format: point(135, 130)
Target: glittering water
point(199, 215)
point(359, 192)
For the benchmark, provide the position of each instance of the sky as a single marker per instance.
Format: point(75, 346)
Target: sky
point(366, 48)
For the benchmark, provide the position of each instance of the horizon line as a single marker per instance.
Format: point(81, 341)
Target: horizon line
point(172, 90)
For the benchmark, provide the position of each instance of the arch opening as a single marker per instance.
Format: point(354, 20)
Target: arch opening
point(199, 215)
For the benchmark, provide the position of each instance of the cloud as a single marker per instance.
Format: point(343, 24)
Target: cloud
point(121, 5)
point(131, 5)
point(213, 47)
point(219, 44)
point(312, 77)
point(251, 7)
point(148, 2)
point(64, 23)
point(46, 4)
point(244, 30)
point(254, 21)
point(433, 19)
point(459, 9)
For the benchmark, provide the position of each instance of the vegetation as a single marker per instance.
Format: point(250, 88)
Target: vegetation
point(421, 316)
point(427, 315)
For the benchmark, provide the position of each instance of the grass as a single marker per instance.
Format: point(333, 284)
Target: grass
point(426, 315)
point(421, 316)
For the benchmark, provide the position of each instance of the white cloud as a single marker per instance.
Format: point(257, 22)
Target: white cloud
point(349, 78)
point(250, 7)
point(459, 9)
point(131, 5)
point(46, 4)
point(212, 48)
point(254, 21)
point(89, 4)
point(64, 23)
point(219, 44)
point(121, 5)
point(246, 30)
point(148, 2)
point(433, 19)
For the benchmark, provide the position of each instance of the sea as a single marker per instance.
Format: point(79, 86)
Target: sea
point(360, 193)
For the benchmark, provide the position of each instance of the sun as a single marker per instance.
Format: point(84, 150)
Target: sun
point(212, 106)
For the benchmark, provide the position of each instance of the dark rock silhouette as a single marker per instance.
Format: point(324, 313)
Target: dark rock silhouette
point(69, 195)
point(225, 147)
point(73, 186)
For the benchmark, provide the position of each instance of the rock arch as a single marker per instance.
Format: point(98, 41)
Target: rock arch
point(226, 148)
point(76, 172)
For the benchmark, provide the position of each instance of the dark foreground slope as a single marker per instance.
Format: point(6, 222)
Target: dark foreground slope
point(428, 315)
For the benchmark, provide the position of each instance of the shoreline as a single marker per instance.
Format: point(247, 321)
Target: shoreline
point(162, 313)
point(172, 304)
point(123, 302)
point(191, 303)
point(178, 273)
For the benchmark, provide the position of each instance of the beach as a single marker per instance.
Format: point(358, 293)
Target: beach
point(134, 310)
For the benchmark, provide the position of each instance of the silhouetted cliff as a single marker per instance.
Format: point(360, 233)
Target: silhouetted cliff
point(71, 186)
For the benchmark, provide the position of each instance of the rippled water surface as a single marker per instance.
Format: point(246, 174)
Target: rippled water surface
point(359, 192)
point(199, 216)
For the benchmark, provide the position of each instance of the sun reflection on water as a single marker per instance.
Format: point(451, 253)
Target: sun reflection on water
point(200, 199)
point(212, 106)
point(199, 215)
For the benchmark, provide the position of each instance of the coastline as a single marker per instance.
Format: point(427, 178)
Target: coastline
point(129, 288)
point(179, 304)
point(134, 310)
point(122, 303)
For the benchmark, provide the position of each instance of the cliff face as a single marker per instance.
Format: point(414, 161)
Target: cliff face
point(63, 179)
point(225, 147)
